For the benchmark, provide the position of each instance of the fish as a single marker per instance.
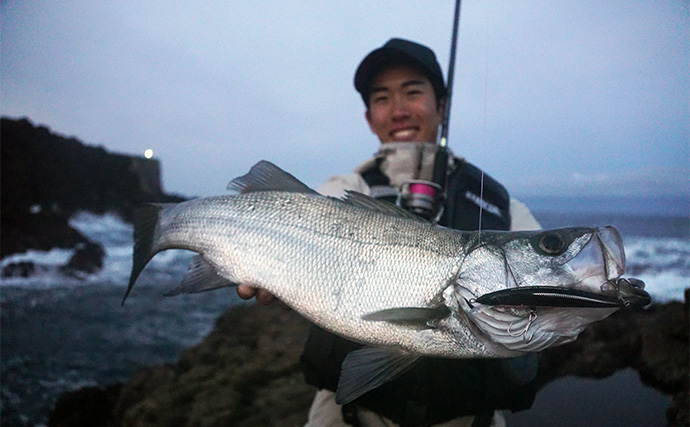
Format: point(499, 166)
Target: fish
point(376, 274)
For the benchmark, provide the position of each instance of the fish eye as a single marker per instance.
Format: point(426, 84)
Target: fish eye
point(552, 243)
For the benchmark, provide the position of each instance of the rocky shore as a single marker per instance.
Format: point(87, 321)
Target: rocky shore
point(46, 178)
point(247, 372)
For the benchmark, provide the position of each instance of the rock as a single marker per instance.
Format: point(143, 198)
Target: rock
point(602, 349)
point(88, 258)
point(19, 269)
point(44, 231)
point(245, 373)
point(92, 406)
point(677, 414)
point(653, 341)
point(663, 357)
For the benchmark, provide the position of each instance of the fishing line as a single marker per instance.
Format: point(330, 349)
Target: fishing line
point(486, 91)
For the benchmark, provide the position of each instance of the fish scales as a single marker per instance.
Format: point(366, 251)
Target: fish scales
point(320, 252)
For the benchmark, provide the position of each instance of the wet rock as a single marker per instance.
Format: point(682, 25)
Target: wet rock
point(677, 414)
point(88, 258)
point(663, 357)
point(92, 406)
point(43, 231)
point(245, 373)
point(19, 269)
point(653, 341)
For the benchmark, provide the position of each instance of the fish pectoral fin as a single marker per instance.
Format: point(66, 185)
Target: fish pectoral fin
point(201, 277)
point(265, 176)
point(415, 317)
point(368, 368)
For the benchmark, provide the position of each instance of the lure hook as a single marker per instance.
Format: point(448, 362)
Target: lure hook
point(530, 320)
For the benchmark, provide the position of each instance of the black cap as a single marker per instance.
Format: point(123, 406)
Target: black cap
point(399, 51)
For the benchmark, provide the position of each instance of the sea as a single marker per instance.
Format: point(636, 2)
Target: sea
point(60, 333)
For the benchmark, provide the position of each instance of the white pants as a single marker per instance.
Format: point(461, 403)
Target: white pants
point(324, 412)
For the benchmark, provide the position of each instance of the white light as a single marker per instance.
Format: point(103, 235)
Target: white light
point(148, 153)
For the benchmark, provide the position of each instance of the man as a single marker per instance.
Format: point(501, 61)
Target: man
point(403, 89)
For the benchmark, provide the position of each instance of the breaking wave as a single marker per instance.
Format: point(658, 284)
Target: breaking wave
point(115, 235)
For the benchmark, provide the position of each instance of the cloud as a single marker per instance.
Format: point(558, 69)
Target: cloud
point(542, 89)
point(650, 182)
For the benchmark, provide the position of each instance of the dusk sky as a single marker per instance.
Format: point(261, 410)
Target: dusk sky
point(550, 97)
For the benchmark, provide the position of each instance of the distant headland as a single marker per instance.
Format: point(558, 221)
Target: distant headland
point(46, 178)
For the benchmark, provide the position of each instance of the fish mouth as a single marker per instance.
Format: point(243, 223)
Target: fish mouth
point(597, 267)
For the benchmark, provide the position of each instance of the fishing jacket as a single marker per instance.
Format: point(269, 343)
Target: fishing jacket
point(434, 390)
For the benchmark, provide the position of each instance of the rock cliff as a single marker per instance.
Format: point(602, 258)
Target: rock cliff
point(46, 178)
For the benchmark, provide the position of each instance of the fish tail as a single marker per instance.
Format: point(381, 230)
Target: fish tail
point(145, 223)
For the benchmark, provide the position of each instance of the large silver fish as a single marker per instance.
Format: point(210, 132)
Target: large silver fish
point(373, 273)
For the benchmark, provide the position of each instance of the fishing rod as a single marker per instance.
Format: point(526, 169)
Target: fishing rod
point(425, 197)
point(443, 142)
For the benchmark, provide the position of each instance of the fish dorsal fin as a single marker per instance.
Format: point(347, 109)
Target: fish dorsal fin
point(265, 176)
point(368, 368)
point(201, 277)
point(414, 317)
point(363, 201)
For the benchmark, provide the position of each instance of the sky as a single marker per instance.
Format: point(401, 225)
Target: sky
point(583, 97)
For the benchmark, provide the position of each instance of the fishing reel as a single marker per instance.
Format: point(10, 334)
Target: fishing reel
point(423, 198)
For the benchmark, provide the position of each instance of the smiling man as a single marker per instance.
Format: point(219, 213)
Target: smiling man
point(403, 106)
point(404, 93)
point(402, 86)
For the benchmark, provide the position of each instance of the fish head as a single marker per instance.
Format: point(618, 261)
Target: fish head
point(531, 290)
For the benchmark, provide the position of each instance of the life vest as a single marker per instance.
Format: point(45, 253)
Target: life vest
point(435, 390)
point(471, 194)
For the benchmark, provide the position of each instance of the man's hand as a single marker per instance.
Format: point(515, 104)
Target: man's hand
point(263, 297)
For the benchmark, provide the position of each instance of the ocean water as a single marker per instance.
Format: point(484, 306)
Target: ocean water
point(61, 333)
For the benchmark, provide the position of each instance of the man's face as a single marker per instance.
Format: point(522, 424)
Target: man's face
point(403, 107)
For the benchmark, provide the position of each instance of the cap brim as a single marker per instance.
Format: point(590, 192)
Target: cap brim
point(377, 60)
